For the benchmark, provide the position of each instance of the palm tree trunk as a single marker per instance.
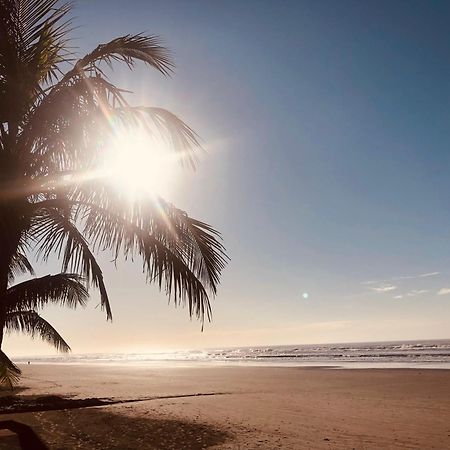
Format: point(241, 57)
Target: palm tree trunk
point(12, 225)
point(4, 269)
point(9, 373)
point(9, 242)
point(2, 326)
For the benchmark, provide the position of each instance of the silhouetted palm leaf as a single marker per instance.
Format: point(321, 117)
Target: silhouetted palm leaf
point(55, 232)
point(19, 265)
point(125, 49)
point(9, 372)
point(65, 289)
point(33, 39)
point(31, 323)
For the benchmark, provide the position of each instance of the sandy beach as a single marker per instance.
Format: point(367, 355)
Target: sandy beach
point(231, 407)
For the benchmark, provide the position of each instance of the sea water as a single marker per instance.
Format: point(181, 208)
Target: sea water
point(401, 354)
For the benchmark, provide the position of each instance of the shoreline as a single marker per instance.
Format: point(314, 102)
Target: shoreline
point(331, 365)
point(259, 407)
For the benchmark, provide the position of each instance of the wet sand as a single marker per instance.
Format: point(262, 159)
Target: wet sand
point(245, 407)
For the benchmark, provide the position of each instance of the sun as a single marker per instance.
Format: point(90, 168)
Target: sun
point(137, 164)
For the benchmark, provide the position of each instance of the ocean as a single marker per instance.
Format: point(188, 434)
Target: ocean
point(399, 354)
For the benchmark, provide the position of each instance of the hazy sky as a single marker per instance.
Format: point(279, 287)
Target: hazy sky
point(327, 130)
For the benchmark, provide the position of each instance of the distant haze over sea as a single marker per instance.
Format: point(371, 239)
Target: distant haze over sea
point(424, 354)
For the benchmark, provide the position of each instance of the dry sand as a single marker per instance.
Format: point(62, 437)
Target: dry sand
point(252, 408)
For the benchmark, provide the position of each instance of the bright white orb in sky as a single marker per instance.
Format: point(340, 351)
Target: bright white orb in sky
point(305, 295)
point(135, 163)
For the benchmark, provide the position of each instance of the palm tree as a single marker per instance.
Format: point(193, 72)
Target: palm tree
point(57, 115)
point(22, 301)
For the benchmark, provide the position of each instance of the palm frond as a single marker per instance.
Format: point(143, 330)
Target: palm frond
point(162, 264)
point(202, 245)
point(126, 49)
point(31, 323)
point(65, 289)
point(19, 265)
point(172, 245)
point(28, 18)
point(48, 46)
point(198, 243)
point(167, 255)
point(70, 126)
point(54, 232)
point(33, 43)
point(9, 372)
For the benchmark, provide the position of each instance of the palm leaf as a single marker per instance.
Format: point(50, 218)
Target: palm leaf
point(9, 372)
point(196, 242)
point(125, 49)
point(65, 289)
point(55, 232)
point(31, 323)
point(178, 263)
point(162, 263)
point(68, 128)
point(180, 254)
point(33, 43)
point(202, 245)
point(19, 265)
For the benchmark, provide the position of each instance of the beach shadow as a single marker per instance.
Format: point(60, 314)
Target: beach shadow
point(12, 404)
point(99, 428)
point(116, 431)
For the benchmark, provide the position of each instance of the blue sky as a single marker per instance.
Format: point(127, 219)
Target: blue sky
point(326, 125)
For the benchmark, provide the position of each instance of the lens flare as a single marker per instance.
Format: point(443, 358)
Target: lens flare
point(137, 164)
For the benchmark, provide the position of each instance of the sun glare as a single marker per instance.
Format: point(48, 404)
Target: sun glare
point(137, 164)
